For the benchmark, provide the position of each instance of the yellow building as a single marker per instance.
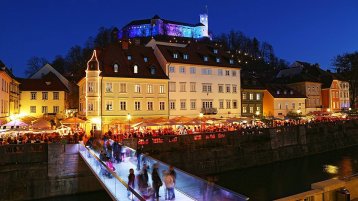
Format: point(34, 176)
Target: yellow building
point(202, 79)
point(45, 96)
point(122, 83)
point(280, 100)
point(7, 82)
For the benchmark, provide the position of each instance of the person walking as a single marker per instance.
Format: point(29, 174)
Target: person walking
point(156, 181)
point(131, 179)
point(138, 154)
point(174, 175)
point(169, 185)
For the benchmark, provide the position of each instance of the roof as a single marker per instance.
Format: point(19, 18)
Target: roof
point(115, 54)
point(156, 17)
point(196, 53)
point(45, 70)
point(49, 82)
point(249, 81)
point(283, 91)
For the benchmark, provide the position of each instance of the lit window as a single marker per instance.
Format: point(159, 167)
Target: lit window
point(137, 88)
point(129, 57)
point(135, 69)
point(161, 89)
point(185, 56)
point(175, 55)
point(152, 70)
point(145, 59)
point(243, 96)
point(205, 58)
point(231, 61)
point(109, 87)
point(217, 60)
point(251, 109)
point(115, 68)
point(149, 88)
point(215, 51)
point(109, 105)
point(258, 96)
point(251, 96)
point(244, 109)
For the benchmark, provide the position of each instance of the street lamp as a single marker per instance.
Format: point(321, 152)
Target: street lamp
point(298, 111)
point(129, 121)
point(350, 109)
point(328, 109)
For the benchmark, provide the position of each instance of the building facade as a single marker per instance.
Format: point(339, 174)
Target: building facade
point(344, 96)
point(280, 100)
point(330, 96)
point(6, 81)
point(202, 79)
point(252, 93)
point(312, 90)
point(45, 96)
point(122, 83)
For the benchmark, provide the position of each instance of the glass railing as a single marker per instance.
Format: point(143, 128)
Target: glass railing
point(191, 185)
point(116, 186)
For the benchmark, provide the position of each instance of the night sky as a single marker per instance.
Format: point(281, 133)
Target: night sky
point(306, 30)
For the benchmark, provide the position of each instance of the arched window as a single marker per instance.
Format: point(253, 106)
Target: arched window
point(115, 68)
point(135, 69)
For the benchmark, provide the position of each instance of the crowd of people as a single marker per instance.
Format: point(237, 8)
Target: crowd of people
point(27, 138)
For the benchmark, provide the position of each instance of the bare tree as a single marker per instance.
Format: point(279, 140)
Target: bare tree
point(34, 64)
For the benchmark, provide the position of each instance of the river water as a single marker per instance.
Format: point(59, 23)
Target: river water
point(290, 177)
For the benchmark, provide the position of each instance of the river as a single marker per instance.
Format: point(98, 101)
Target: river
point(290, 177)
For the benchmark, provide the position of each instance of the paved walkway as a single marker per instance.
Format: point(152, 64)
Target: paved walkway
point(114, 186)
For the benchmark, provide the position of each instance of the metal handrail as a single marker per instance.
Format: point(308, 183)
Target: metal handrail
point(137, 195)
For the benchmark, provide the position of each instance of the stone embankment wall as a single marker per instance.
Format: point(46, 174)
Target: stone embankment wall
point(34, 171)
point(217, 152)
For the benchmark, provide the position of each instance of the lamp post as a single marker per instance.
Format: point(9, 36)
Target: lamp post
point(200, 117)
point(129, 121)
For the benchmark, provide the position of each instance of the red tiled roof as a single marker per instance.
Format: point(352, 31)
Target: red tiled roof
point(196, 53)
point(49, 82)
point(115, 54)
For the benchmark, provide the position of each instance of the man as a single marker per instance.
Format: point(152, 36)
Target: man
point(156, 181)
point(174, 175)
point(138, 154)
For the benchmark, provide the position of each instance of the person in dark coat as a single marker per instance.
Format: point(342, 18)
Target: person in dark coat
point(156, 181)
point(131, 179)
point(138, 154)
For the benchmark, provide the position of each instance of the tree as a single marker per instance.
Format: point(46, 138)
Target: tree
point(59, 63)
point(347, 65)
point(34, 64)
point(103, 37)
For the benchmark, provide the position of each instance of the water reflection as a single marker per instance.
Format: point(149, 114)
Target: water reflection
point(286, 178)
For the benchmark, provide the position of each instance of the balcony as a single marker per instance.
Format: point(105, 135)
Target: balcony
point(209, 110)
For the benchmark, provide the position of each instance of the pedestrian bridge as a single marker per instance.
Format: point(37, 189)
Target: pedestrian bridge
point(188, 187)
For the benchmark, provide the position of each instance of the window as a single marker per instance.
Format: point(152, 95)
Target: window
point(55, 95)
point(90, 87)
point(286, 106)
point(137, 105)
point(182, 69)
point(192, 86)
point(33, 95)
point(172, 104)
point(185, 56)
point(206, 71)
point(192, 70)
point(251, 96)
point(90, 107)
point(109, 87)
point(234, 88)
point(129, 57)
point(228, 104)
point(150, 106)
point(221, 104)
point(115, 68)
point(221, 88)
point(243, 96)
point(206, 88)
point(44, 95)
point(244, 109)
point(152, 70)
point(258, 96)
point(56, 109)
point(171, 69)
point(228, 88)
point(32, 109)
point(123, 105)
point(145, 59)
point(175, 55)
point(137, 88)
point(161, 89)
point(217, 60)
point(172, 86)
point(278, 92)
point(161, 105)
point(207, 104)
point(280, 106)
point(205, 58)
point(44, 109)
point(231, 61)
point(193, 104)
point(182, 86)
point(123, 88)
point(227, 73)
point(135, 69)
point(234, 104)
point(183, 104)
point(258, 108)
point(233, 73)
point(149, 88)
point(109, 105)
point(220, 72)
point(215, 51)
point(251, 109)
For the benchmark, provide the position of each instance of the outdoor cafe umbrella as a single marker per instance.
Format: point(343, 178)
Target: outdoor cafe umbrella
point(73, 120)
point(14, 124)
point(41, 124)
point(146, 124)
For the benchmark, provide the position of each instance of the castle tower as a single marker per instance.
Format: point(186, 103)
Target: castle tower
point(204, 19)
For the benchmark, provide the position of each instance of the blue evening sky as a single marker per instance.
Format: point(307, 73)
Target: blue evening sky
point(306, 30)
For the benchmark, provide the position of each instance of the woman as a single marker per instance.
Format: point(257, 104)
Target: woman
point(131, 179)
